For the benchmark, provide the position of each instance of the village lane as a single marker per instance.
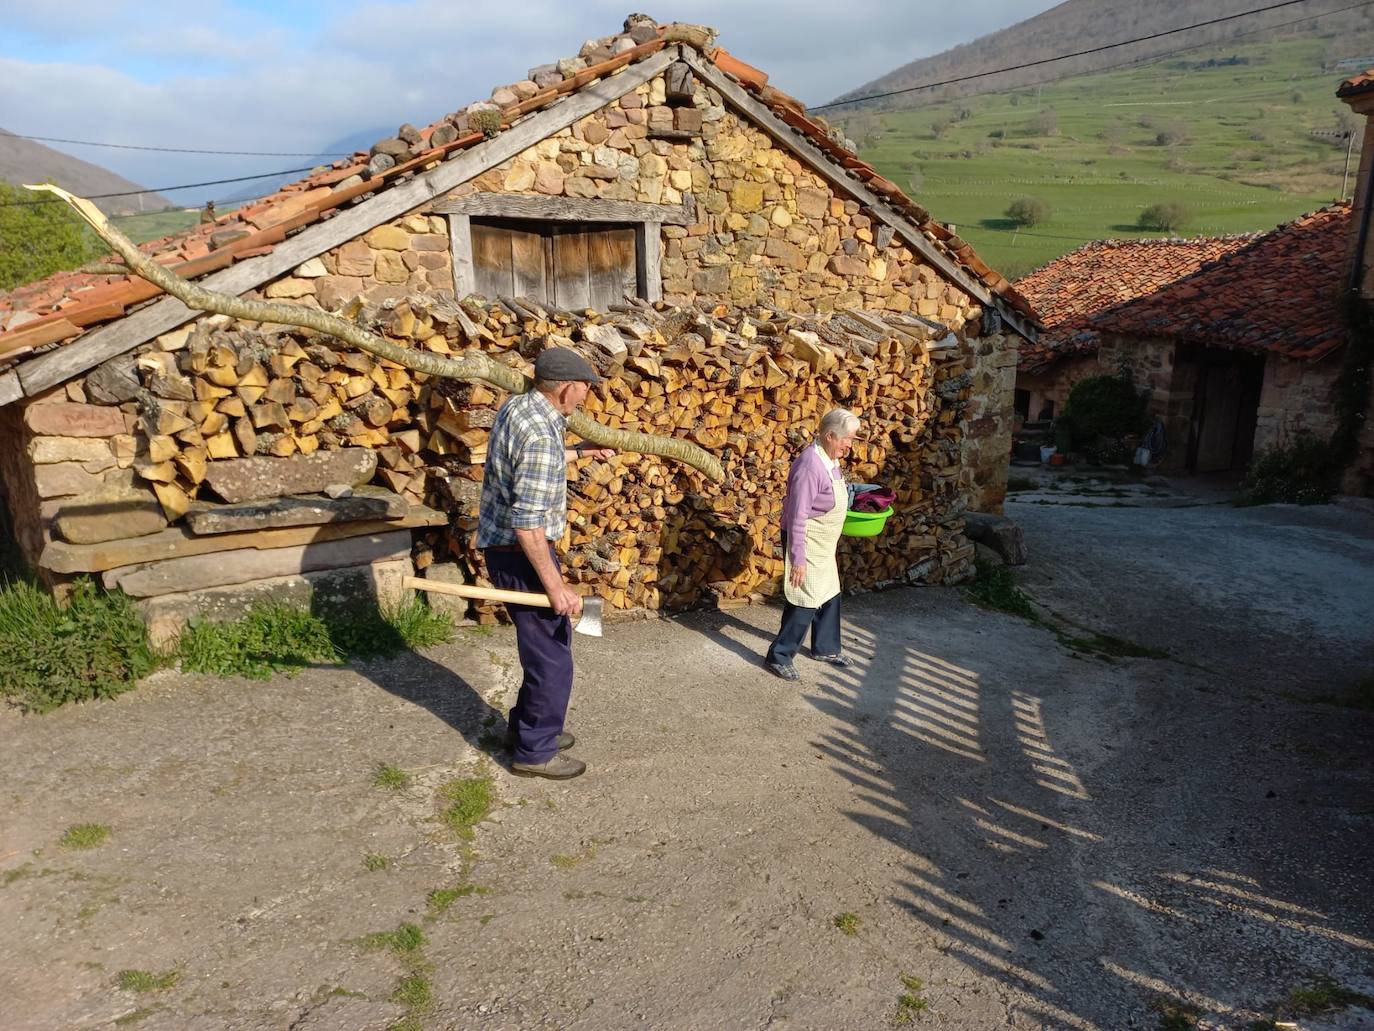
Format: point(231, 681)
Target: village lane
point(1016, 833)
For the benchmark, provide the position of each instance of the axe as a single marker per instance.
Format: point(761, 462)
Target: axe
point(589, 624)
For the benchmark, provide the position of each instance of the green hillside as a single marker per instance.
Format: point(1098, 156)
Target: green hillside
point(1225, 131)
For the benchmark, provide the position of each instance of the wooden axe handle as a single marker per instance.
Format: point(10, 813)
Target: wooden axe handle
point(479, 593)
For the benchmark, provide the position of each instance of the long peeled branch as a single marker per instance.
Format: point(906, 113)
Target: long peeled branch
point(473, 367)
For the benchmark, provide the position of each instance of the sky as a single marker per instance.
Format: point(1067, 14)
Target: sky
point(288, 78)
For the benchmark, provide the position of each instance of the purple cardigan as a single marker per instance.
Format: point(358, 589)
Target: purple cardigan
point(810, 493)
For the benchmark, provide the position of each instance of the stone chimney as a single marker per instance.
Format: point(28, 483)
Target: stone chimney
point(1358, 92)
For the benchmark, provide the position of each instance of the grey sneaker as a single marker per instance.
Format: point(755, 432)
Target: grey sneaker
point(560, 767)
point(565, 741)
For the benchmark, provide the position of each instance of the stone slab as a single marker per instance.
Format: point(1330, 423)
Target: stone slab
point(303, 510)
point(179, 542)
point(223, 569)
point(378, 583)
point(998, 533)
point(117, 511)
point(237, 480)
point(65, 419)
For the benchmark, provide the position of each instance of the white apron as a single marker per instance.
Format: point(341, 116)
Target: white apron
point(822, 580)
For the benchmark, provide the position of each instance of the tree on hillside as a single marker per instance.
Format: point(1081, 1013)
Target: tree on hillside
point(1046, 123)
point(38, 239)
point(1168, 217)
point(1028, 211)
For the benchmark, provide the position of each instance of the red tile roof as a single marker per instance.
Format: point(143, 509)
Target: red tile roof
point(1279, 293)
point(58, 309)
point(1356, 84)
point(1069, 291)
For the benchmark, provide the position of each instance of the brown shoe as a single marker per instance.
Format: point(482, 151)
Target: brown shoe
point(560, 767)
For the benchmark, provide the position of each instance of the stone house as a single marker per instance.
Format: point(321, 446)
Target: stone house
point(1071, 291)
point(1241, 342)
point(654, 167)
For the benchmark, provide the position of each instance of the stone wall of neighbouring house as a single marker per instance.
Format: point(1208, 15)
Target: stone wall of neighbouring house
point(1053, 384)
point(1152, 366)
point(1296, 398)
point(1359, 476)
point(988, 426)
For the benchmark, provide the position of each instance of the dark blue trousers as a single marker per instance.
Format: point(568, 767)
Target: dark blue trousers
point(825, 631)
point(544, 640)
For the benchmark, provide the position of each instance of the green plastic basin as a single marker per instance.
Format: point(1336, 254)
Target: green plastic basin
point(865, 524)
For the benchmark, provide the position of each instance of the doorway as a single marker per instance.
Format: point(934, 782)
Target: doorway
point(1225, 408)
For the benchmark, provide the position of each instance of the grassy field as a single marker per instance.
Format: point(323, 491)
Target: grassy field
point(1225, 131)
point(156, 224)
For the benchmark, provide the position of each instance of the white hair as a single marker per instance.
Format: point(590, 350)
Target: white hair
point(839, 422)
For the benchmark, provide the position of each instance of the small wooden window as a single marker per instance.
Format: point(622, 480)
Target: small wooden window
point(568, 265)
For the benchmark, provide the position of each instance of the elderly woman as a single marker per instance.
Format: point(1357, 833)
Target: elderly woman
point(812, 517)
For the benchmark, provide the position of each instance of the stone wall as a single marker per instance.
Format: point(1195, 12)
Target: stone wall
point(1053, 384)
point(1297, 397)
point(988, 425)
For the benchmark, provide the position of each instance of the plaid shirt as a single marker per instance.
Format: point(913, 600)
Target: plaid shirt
point(525, 483)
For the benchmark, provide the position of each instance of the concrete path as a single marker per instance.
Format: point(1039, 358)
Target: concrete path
point(1031, 837)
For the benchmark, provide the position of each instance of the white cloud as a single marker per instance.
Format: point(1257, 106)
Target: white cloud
point(235, 80)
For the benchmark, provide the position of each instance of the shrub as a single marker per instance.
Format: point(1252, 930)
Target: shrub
point(1170, 138)
point(1166, 217)
point(96, 647)
point(1104, 409)
point(1028, 211)
point(1300, 472)
point(1046, 123)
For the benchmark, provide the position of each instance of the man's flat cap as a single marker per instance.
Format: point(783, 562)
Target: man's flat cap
point(560, 365)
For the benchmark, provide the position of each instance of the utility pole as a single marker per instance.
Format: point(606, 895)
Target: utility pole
point(1348, 136)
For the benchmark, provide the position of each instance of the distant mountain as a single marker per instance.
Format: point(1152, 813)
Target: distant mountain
point(362, 140)
point(1084, 24)
point(24, 161)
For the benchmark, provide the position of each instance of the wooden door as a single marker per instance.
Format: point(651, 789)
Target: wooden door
point(568, 265)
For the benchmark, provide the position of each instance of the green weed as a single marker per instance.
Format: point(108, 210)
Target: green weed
point(847, 923)
point(1175, 1014)
point(145, 981)
point(566, 862)
point(84, 835)
point(393, 778)
point(414, 992)
point(135, 1016)
point(406, 939)
point(1322, 994)
point(465, 803)
point(910, 1004)
point(95, 647)
point(374, 861)
point(440, 899)
point(995, 588)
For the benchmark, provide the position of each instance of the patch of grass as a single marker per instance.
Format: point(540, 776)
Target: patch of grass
point(414, 992)
point(375, 861)
point(95, 647)
point(146, 981)
point(485, 919)
point(1359, 696)
point(273, 638)
point(441, 898)
point(407, 938)
point(564, 862)
point(995, 588)
point(1175, 1014)
point(393, 778)
point(465, 803)
point(1322, 994)
point(1016, 484)
point(1111, 646)
point(85, 835)
point(911, 1003)
point(268, 639)
point(847, 923)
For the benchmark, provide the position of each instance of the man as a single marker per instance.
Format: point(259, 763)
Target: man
point(524, 510)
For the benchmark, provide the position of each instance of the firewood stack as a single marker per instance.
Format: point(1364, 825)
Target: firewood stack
point(750, 386)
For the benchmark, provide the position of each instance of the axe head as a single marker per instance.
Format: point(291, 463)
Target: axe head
point(590, 623)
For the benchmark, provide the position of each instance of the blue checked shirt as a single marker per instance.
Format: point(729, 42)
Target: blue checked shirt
point(525, 483)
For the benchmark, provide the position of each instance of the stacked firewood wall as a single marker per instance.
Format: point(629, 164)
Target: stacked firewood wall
point(749, 386)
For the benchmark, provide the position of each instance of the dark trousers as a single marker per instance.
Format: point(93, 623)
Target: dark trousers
point(544, 640)
point(825, 631)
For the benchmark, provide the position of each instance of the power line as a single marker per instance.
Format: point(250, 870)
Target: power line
point(173, 150)
point(168, 189)
point(1064, 57)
